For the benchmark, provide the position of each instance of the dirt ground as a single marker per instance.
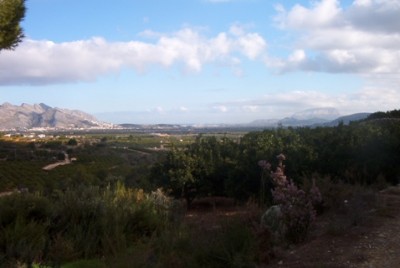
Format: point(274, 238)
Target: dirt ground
point(373, 242)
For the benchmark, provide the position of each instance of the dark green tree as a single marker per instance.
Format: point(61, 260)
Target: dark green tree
point(72, 142)
point(176, 173)
point(12, 12)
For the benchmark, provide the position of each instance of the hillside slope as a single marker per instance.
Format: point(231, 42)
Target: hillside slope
point(28, 116)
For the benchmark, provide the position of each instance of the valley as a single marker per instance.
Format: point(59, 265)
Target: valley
point(169, 184)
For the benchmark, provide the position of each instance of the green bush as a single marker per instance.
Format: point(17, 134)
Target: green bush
point(24, 225)
point(82, 223)
point(23, 241)
point(233, 245)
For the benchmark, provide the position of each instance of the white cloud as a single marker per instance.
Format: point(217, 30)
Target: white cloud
point(321, 14)
point(47, 62)
point(250, 108)
point(159, 109)
point(252, 45)
point(276, 105)
point(362, 38)
point(220, 108)
point(372, 98)
point(297, 56)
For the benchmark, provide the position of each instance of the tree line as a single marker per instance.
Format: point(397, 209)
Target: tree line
point(363, 152)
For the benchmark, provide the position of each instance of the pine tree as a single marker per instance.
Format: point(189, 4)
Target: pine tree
point(12, 12)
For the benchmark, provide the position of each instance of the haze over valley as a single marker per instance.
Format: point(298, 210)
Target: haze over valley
point(42, 116)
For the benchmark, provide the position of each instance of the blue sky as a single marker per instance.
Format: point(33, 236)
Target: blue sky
point(205, 61)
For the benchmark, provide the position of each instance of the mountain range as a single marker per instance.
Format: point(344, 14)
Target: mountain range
point(311, 117)
point(28, 116)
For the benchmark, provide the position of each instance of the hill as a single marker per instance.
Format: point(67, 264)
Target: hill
point(309, 117)
point(26, 116)
point(347, 119)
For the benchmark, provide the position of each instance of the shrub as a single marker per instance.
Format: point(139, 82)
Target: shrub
point(296, 206)
point(24, 224)
point(86, 222)
point(23, 241)
point(234, 245)
point(297, 211)
point(105, 222)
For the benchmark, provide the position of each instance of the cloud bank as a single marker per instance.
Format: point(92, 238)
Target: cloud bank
point(283, 104)
point(362, 38)
point(47, 62)
point(275, 105)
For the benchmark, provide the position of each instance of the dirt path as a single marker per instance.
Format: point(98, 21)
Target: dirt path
point(6, 193)
point(54, 165)
point(374, 243)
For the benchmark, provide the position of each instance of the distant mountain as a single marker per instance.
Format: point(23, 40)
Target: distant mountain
point(28, 116)
point(264, 122)
point(307, 117)
point(293, 122)
point(347, 119)
point(327, 114)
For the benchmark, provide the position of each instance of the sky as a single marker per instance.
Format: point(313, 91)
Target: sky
point(205, 61)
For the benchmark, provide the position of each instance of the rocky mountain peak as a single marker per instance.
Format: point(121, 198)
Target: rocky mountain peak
point(6, 104)
point(27, 116)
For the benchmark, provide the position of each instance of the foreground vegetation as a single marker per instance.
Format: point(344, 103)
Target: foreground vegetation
point(120, 202)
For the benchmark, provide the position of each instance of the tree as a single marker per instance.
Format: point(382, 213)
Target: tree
point(176, 173)
point(12, 13)
point(72, 142)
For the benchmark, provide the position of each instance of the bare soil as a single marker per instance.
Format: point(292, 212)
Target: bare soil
point(371, 241)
